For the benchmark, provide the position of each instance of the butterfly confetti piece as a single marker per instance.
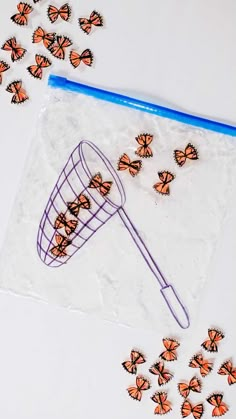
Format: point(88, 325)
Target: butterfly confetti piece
point(62, 243)
point(142, 384)
point(144, 140)
point(170, 353)
point(204, 365)
point(81, 202)
point(58, 48)
point(220, 408)
point(190, 153)
point(40, 35)
point(86, 57)
point(136, 358)
point(3, 67)
point(19, 94)
point(86, 24)
point(187, 409)
point(163, 405)
point(193, 385)
point(17, 52)
point(62, 222)
point(164, 376)
point(64, 12)
point(163, 187)
point(125, 163)
point(21, 18)
point(211, 344)
point(228, 369)
point(37, 70)
point(97, 183)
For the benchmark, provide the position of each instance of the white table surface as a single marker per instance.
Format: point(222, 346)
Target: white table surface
point(57, 364)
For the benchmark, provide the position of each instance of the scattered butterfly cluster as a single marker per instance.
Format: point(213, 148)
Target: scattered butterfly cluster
point(54, 43)
point(69, 225)
point(164, 376)
point(144, 151)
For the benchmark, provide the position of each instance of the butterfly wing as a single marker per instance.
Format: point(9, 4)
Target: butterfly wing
point(137, 357)
point(129, 367)
point(180, 157)
point(105, 188)
point(228, 369)
point(65, 12)
point(184, 390)
point(186, 409)
point(70, 227)
point(53, 13)
point(87, 57)
point(191, 152)
point(142, 383)
point(135, 393)
point(75, 59)
point(206, 368)
point(135, 167)
point(85, 25)
point(96, 181)
point(123, 162)
point(38, 35)
point(96, 19)
point(197, 411)
point(84, 201)
point(195, 385)
point(3, 67)
point(60, 221)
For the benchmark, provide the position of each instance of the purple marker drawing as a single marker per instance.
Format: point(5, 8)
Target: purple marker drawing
point(73, 181)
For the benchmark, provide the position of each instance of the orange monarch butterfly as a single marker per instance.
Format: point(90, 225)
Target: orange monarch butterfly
point(21, 18)
point(136, 358)
point(227, 369)
point(37, 70)
point(187, 408)
point(142, 384)
point(97, 183)
point(81, 202)
point(220, 408)
point(17, 52)
point(40, 35)
point(170, 353)
point(61, 244)
point(144, 150)
point(62, 222)
point(193, 385)
point(211, 344)
point(204, 365)
point(190, 153)
point(163, 187)
point(164, 376)
point(125, 163)
point(86, 57)
point(163, 405)
point(64, 12)
point(3, 67)
point(94, 19)
point(57, 49)
point(19, 94)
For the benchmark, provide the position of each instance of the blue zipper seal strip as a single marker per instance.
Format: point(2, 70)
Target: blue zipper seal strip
point(197, 121)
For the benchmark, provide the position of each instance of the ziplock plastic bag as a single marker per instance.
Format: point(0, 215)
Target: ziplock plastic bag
point(72, 243)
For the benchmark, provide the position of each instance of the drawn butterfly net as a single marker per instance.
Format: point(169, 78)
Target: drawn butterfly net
point(108, 277)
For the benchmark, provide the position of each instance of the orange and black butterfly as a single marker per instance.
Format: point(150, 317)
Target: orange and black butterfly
point(85, 57)
point(125, 163)
point(193, 385)
point(144, 150)
point(169, 354)
point(86, 24)
point(58, 48)
point(136, 358)
point(37, 69)
point(3, 67)
point(227, 368)
point(40, 35)
point(204, 365)
point(64, 12)
point(97, 183)
point(164, 376)
point(62, 243)
point(142, 384)
point(81, 202)
point(220, 408)
point(190, 153)
point(19, 94)
point(211, 344)
point(187, 409)
point(17, 52)
point(62, 222)
point(163, 405)
point(21, 18)
point(163, 186)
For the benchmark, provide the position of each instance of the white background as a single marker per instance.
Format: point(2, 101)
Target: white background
point(55, 363)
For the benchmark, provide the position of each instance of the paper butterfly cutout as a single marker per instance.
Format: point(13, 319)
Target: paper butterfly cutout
point(19, 94)
point(190, 153)
point(187, 408)
point(85, 57)
point(163, 405)
point(58, 48)
point(144, 150)
point(62, 222)
point(193, 385)
point(227, 368)
point(97, 183)
point(125, 163)
point(81, 202)
point(64, 12)
point(24, 10)
point(17, 52)
point(3, 67)
point(62, 243)
point(164, 376)
point(204, 365)
point(163, 186)
point(220, 408)
point(142, 384)
point(40, 35)
point(86, 24)
point(136, 358)
point(37, 70)
point(170, 353)
point(211, 344)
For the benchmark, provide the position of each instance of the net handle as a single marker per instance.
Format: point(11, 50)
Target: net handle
point(168, 292)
